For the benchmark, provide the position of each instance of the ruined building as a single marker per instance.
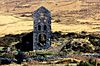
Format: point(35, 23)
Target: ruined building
point(42, 29)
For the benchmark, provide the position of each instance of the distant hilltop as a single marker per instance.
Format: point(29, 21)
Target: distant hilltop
point(18, 6)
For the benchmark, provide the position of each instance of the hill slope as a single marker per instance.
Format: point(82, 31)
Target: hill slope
point(83, 15)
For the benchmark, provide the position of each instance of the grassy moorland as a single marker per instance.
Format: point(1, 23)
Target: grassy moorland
point(69, 16)
point(71, 19)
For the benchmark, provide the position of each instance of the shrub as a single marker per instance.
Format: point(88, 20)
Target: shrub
point(8, 55)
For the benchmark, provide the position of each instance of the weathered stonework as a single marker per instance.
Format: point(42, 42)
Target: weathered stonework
point(42, 29)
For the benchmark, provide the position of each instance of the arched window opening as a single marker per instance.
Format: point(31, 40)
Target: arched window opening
point(45, 27)
point(42, 39)
point(39, 27)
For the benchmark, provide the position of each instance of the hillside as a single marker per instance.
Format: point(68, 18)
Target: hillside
point(75, 30)
point(83, 15)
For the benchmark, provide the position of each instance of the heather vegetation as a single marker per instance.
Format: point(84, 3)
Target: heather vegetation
point(73, 43)
point(81, 42)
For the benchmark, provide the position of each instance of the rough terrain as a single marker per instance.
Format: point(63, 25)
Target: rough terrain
point(69, 16)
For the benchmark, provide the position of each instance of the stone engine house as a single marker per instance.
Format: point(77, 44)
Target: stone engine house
point(42, 29)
